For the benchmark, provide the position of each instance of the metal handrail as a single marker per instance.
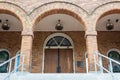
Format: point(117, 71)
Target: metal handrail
point(10, 65)
point(102, 67)
point(109, 58)
point(9, 60)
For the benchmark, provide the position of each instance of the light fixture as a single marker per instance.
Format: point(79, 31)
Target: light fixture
point(5, 25)
point(117, 20)
point(58, 26)
point(109, 25)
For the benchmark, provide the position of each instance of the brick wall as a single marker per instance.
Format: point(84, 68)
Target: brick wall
point(10, 41)
point(107, 41)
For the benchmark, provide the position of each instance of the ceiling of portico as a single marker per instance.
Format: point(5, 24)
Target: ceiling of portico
point(46, 24)
point(69, 23)
point(13, 22)
point(101, 25)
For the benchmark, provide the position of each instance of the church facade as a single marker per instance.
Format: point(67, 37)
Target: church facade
point(60, 36)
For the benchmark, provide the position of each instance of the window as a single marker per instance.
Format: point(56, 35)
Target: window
point(4, 56)
point(58, 41)
point(116, 56)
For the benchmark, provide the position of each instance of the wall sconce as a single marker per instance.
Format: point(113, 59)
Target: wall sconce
point(5, 25)
point(109, 25)
point(58, 26)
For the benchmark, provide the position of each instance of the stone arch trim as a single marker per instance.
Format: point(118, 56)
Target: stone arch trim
point(15, 10)
point(113, 49)
point(103, 10)
point(58, 34)
point(54, 8)
point(6, 51)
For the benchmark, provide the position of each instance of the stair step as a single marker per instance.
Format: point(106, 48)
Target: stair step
point(62, 76)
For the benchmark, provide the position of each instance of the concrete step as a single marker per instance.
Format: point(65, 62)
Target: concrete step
point(62, 76)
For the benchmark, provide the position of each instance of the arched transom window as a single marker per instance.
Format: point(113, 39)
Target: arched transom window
point(114, 55)
point(58, 41)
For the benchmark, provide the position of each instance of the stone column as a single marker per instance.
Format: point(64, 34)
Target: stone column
point(26, 50)
point(92, 47)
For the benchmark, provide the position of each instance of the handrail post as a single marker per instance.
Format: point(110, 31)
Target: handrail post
point(9, 69)
point(16, 60)
point(23, 63)
point(10, 66)
point(87, 63)
point(95, 62)
point(100, 62)
point(111, 68)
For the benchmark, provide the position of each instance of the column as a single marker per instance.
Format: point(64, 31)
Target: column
point(92, 47)
point(26, 51)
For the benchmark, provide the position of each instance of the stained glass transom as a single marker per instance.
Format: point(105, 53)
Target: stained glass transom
point(58, 41)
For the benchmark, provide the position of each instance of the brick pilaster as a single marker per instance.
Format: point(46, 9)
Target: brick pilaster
point(92, 47)
point(26, 50)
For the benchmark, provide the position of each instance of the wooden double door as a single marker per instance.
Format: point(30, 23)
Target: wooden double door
point(65, 60)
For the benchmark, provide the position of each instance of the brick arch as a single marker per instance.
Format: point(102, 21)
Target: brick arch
point(56, 8)
point(114, 11)
point(104, 10)
point(14, 10)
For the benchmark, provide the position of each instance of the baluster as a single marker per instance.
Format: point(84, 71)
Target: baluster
point(95, 62)
point(10, 66)
point(100, 61)
point(9, 69)
point(87, 63)
point(23, 62)
point(111, 68)
point(16, 60)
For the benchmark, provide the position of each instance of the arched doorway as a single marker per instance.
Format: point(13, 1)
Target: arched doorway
point(45, 25)
point(58, 55)
point(4, 56)
point(114, 54)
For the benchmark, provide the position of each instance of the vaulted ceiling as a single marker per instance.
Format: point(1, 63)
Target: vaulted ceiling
point(69, 23)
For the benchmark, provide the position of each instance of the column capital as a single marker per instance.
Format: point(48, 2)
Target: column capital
point(89, 33)
point(27, 33)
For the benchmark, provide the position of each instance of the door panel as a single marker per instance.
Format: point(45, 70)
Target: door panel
point(51, 60)
point(66, 60)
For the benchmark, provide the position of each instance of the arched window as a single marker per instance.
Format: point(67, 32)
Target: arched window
point(4, 56)
point(114, 54)
point(58, 41)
